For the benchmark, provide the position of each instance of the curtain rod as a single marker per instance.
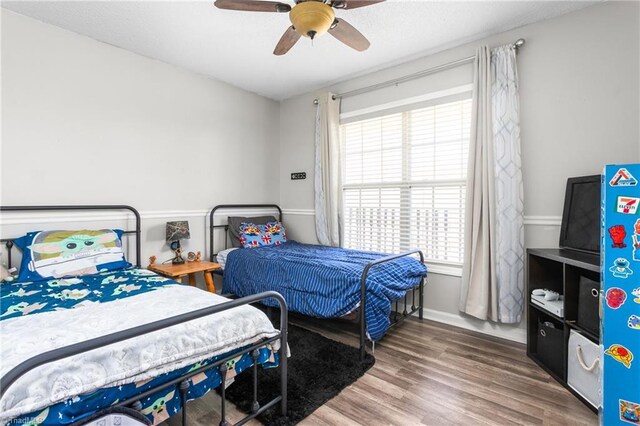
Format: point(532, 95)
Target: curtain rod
point(517, 45)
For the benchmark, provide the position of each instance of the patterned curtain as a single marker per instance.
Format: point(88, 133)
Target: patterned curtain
point(493, 272)
point(509, 192)
point(328, 173)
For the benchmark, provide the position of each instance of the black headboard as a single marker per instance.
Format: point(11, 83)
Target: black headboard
point(212, 227)
point(9, 242)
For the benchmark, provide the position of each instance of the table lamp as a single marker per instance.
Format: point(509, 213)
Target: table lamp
point(176, 231)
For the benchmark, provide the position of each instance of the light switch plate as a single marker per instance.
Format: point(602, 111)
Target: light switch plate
point(298, 175)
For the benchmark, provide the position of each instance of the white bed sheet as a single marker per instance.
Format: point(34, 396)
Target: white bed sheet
point(221, 258)
point(130, 361)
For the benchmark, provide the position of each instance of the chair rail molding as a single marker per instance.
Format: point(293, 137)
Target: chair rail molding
point(15, 218)
point(528, 220)
point(11, 218)
point(299, 212)
point(543, 220)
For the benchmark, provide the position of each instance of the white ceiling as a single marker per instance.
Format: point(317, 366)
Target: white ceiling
point(236, 47)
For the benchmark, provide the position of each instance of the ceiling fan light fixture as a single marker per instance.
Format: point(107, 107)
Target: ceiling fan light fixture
point(312, 18)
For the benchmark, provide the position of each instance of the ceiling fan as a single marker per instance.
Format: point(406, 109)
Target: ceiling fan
point(309, 18)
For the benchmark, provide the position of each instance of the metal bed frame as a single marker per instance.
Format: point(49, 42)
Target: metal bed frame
point(183, 381)
point(397, 317)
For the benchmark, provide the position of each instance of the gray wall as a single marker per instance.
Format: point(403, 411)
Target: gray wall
point(580, 110)
point(86, 122)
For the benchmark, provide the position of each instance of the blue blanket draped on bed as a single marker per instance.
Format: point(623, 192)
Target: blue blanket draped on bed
point(323, 281)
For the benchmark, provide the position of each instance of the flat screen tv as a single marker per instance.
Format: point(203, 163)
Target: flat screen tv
point(580, 228)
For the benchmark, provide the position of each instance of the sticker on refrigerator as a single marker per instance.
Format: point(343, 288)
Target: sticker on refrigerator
point(636, 241)
point(629, 412)
point(620, 268)
point(634, 322)
point(615, 297)
point(617, 234)
point(627, 205)
point(623, 178)
point(620, 354)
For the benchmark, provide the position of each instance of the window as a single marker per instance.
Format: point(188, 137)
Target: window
point(404, 178)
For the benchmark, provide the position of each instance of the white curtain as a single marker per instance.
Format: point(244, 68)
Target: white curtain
point(328, 174)
point(493, 271)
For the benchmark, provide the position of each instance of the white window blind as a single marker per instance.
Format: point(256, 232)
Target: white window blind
point(404, 180)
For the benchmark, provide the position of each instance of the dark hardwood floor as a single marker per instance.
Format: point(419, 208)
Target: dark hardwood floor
point(427, 373)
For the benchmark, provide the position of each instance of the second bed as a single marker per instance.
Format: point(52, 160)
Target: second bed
point(320, 281)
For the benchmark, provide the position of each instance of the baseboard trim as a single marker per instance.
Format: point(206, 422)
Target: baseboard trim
point(511, 333)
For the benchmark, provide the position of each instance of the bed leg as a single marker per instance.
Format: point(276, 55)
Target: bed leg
point(363, 310)
point(363, 333)
point(223, 397)
point(404, 312)
point(255, 406)
point(421, 300)
point(413, 300)
point(282, 355)
point(184, 386)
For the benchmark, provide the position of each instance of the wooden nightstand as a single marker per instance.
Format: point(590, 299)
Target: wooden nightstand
point(189, 269)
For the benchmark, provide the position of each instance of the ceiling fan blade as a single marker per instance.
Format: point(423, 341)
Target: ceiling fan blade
point(347, 34)
point(288, 39)
point(252, 5)
point(354, 4)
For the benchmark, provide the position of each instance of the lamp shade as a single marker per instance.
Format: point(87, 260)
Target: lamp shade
point(312, 18)
point(178, 230)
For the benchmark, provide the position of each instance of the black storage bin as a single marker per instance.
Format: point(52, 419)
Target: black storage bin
point(550, 345)
point(588, 305)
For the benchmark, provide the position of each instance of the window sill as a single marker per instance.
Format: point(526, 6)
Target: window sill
point(440, 269)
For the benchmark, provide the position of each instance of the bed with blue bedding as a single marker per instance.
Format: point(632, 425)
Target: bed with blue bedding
point(316, 281)
point(323, 282)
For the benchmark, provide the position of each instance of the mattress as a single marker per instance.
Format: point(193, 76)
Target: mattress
point(221, 258)
point(323, 282)
point(41, 316)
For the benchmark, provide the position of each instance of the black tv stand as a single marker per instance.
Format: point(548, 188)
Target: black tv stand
point(558, 270)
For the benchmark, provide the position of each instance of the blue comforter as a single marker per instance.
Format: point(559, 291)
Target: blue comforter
point(323, 281)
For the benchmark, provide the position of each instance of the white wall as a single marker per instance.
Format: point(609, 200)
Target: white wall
point(579, 89)
point(84, 122)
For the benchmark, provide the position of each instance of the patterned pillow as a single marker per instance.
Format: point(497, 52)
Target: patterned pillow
point(234, 223)
point(271, 233)
point(55, 254)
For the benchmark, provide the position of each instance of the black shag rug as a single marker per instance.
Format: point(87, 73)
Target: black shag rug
point(319, 368)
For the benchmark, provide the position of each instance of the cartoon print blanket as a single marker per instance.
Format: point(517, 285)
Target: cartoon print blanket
point(38, 317)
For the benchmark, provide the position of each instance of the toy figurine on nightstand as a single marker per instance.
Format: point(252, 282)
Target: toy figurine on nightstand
point(194, 257)
point(176, 231)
